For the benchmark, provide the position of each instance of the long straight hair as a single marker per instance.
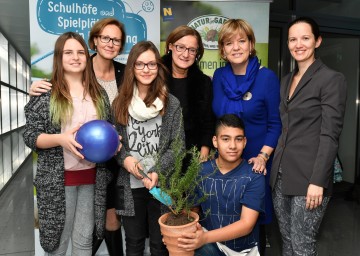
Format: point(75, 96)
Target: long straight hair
point(158, 88)
point(61, 108)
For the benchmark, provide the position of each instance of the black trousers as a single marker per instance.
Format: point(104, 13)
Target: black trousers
point(143, 224)
point(113, 240)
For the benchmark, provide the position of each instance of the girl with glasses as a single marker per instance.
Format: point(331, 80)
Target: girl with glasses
point(149, 119)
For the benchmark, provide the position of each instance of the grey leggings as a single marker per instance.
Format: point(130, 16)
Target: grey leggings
point(79, 223)
point(298, 226)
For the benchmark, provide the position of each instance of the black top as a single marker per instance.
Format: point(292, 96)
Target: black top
point(178, 87)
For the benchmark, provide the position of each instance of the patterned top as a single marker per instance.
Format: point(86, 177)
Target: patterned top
point(143, 139)
point(110, 88)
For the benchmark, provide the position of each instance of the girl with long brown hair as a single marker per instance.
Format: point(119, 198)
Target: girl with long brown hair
point(149, 120)
point(69, 188)
point(107, 38)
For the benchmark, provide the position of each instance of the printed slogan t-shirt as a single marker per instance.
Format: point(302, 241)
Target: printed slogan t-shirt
point(143, 139)
point(227, 193)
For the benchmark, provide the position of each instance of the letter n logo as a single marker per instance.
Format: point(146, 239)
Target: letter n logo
point(167, 13)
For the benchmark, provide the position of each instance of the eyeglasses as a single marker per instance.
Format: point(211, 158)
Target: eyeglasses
point(182, 48)
point(107, 39)
point(150, 65)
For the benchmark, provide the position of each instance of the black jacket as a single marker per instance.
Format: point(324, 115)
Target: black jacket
point(199, 122)
point(312, 121)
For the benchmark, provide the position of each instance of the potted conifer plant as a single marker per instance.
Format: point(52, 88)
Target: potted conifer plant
point(178, 186)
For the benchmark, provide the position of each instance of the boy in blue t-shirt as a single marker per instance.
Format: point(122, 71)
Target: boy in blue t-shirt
point(235, 196)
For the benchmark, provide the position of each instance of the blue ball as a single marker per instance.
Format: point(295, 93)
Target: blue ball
point(99, 140)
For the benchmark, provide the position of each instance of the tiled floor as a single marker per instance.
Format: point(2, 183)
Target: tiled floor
point(339, 236)
point(17, 214)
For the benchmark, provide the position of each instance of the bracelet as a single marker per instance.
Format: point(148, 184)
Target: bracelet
point(262, 158)
point(264, 155)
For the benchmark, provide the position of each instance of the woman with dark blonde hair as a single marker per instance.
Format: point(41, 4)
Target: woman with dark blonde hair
point(69, 188)
point(244, 88)
point(149, 120)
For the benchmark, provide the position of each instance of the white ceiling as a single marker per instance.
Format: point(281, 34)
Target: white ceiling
point(14, 24)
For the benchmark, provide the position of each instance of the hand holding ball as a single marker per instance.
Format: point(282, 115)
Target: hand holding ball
point(99, 139)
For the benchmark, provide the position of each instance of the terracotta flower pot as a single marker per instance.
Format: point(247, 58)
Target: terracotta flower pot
point(171, 234)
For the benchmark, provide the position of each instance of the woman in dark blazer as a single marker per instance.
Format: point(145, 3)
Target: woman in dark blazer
point(312, 108)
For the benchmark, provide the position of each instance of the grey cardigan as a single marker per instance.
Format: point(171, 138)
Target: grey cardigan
point(49, 179)
point(312, 121)
point(171, 128)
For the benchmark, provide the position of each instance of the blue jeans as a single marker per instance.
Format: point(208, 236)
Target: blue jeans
point(298, 226)
point(79, 222)
point(209, 250)
point(144, 223)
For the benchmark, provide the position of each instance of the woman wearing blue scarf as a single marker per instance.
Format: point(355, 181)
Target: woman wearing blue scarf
point(252, 92)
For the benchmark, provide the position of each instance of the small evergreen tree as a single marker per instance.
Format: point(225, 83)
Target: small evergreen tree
point(180, 184)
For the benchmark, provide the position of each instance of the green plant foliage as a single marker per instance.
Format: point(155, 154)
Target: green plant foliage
point(180, 184)
point(35, 71)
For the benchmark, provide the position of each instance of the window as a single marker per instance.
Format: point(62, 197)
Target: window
point(15, 81)
point(12, 62)
point(5, 108)
point(4, 59)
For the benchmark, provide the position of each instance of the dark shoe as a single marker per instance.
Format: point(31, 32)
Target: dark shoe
point(96, 244)
point(114, 243)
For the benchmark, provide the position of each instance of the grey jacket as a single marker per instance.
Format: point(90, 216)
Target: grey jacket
point(171, 128)
point(312, 121)
point(49, 180)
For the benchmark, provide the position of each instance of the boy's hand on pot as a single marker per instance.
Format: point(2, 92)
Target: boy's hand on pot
point(192, 241)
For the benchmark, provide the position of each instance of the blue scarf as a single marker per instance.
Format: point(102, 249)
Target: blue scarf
point(235, 91)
